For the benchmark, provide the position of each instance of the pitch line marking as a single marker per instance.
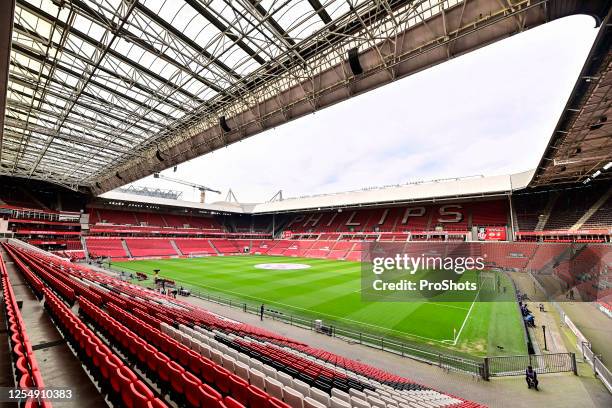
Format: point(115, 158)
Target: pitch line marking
point(466, 317)
point(321, 313)
point(445, 305)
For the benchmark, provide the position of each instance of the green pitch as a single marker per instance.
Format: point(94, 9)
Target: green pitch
point(330, 290)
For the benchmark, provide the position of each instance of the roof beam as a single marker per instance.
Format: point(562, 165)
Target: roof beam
point(82, 36)
point(26, 51)
point(79, 103)
point(318, 7)
point(126, 8)
point(567, 133)
point(112, 73)
point(197, 6)
point(93, 15)
point(407, 48)
point(7, 12)
point(44, 115)
point(273, 23)
point(168, 27)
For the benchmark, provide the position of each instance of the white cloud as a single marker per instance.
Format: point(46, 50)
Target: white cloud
point(489, 112)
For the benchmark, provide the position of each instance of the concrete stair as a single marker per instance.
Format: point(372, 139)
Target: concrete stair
point(85, 249)
point(596, 206)
point(126, 249)
point(547, 210)
point(176, 248)
point(214, 247)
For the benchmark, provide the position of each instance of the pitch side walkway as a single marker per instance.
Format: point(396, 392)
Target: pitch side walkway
point(58, 366)
point(555, 342)
point(596, 326)
point(557, 390)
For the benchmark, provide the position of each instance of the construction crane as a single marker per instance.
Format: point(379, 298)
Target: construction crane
point(203, 189)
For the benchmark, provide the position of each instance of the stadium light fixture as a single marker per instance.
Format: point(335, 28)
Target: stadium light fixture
point(587, 180)
point(607, 166)
point(223, 124)
point(597, 173)
point(354, 63)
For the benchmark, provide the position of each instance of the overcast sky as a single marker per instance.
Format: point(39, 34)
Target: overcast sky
point(489, 112)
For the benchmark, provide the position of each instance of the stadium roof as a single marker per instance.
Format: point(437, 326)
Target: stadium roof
point(127, 197)
point(104, 92)
point(581, 144)
point(412, 193)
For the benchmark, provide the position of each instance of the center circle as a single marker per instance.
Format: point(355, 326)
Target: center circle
point(282, 266)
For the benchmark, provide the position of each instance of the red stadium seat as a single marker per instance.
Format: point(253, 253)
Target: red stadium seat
point(222, 379)
point(163, 369)
point(206, 370)
point(191, 386)
point(194, 362)
point(99, 355)
point(142, 394)
point(232, 403)
point(176, 379)
point(239, 389)
point(156, 403)
point(156, 360)
point(208, 397)
point(257, 398)
point(109, 366)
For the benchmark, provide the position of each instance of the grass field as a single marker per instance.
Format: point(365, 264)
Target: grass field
point(330, 290)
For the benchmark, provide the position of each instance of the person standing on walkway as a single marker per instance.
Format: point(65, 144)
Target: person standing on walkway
point(261, 312)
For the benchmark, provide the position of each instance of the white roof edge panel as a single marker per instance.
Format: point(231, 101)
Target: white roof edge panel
point(479, 186)
point(218, 206)
point(434, 190)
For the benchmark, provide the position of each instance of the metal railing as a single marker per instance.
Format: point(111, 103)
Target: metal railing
point(598, 366)
point(541, 363)
point(482, 367)
point(582, 343)
point(467, 364)
point(588, 355)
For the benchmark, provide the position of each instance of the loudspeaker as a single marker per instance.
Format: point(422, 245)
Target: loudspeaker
point(599, 124)
point(224, 124)
point(98, 185)
point(159, 156)
point(118, 176)
point(353, 59)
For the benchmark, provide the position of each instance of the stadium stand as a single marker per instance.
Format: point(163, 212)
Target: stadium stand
point(106, 247)
point(489, 213)
point(601, 218)
point(25, 367)
point(226, 246)
point(143, 219)
point(61, 231)
point(529, 208)
point(568, 208)
point(205, 360)
point(98, 94)
point(175, 221)
point(194, 246)
point(143, 247)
